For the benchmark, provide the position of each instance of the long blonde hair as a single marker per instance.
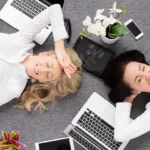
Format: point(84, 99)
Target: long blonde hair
point(38, 93)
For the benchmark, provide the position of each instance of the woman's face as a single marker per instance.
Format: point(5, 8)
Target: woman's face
point(44, 68)
point(137, 76)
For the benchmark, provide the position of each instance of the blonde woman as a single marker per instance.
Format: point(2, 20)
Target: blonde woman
point(55, 73)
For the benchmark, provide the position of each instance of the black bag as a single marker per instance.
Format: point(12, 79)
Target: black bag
point(94, 56)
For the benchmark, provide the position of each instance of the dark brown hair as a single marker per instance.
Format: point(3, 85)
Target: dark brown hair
point(114, 71)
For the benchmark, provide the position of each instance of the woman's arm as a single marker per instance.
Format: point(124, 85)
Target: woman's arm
point(52, 15)
point(63, 58)
point(125, 129)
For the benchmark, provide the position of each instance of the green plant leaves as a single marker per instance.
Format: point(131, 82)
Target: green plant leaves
point(124, 9)
point(84, 33)
point(117, 30)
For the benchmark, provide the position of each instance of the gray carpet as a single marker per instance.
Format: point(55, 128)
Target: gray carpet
point(35, 126)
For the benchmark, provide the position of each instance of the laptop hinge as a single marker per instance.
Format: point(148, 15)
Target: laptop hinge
point(46, 2)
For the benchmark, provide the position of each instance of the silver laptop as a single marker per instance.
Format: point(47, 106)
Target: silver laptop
point(93, 126)
point(18, 13)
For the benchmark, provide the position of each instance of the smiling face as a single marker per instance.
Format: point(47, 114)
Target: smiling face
point(137, 76)
point(44, 68)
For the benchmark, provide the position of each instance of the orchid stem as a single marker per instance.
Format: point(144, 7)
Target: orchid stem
point(118, 15)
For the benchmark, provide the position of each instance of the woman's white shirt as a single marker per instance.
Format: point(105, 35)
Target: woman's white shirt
point(15, 47)
point(127, 129)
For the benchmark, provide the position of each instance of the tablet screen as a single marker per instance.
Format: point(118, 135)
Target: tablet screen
point(59, 144)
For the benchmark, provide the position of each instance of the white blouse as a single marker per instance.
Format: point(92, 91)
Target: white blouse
point(15, 47)
point(126, 128)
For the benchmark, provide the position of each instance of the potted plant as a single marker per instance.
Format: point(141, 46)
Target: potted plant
point(110, 29)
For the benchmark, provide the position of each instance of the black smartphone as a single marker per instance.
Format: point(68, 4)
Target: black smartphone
point(134, 29)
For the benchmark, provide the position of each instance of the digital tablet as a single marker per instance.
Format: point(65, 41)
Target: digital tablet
point(94, 56)
point(56, 144)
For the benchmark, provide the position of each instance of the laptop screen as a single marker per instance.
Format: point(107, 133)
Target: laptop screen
point(51, 2)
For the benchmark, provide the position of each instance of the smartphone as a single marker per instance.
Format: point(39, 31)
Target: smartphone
point(134, 29)
point(56, 144)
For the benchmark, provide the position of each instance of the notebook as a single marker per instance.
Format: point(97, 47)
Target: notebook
point(93, 55)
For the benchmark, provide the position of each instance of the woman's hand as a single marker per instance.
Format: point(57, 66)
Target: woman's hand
point(63, 58)
point(131, 98)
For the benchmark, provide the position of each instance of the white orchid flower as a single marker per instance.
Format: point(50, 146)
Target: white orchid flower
point(87, 21)
point(114, 9)
point(109, 21)
point(97, 29)
point(99, 15)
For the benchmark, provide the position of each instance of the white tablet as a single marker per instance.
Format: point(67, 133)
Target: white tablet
point(56, 144)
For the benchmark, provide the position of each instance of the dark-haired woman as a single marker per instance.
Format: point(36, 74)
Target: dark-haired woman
point(128, 75)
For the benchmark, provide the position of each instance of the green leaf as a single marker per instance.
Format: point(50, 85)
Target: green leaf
point(114, 25)
point(110, 27)
point(84, 29)
point(119, 30)
point(113, 36)
point(124, 9)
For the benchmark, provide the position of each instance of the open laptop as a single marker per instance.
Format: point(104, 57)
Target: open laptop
point(93, 126)
point(18, 13)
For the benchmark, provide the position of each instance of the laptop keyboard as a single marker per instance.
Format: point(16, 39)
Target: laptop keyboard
point(82, 141)
point(31, 8)
point(99, 129)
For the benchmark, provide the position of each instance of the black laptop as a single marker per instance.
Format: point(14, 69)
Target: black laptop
point(93, 55)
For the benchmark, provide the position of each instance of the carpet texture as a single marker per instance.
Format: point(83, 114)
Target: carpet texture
point(37, 126)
